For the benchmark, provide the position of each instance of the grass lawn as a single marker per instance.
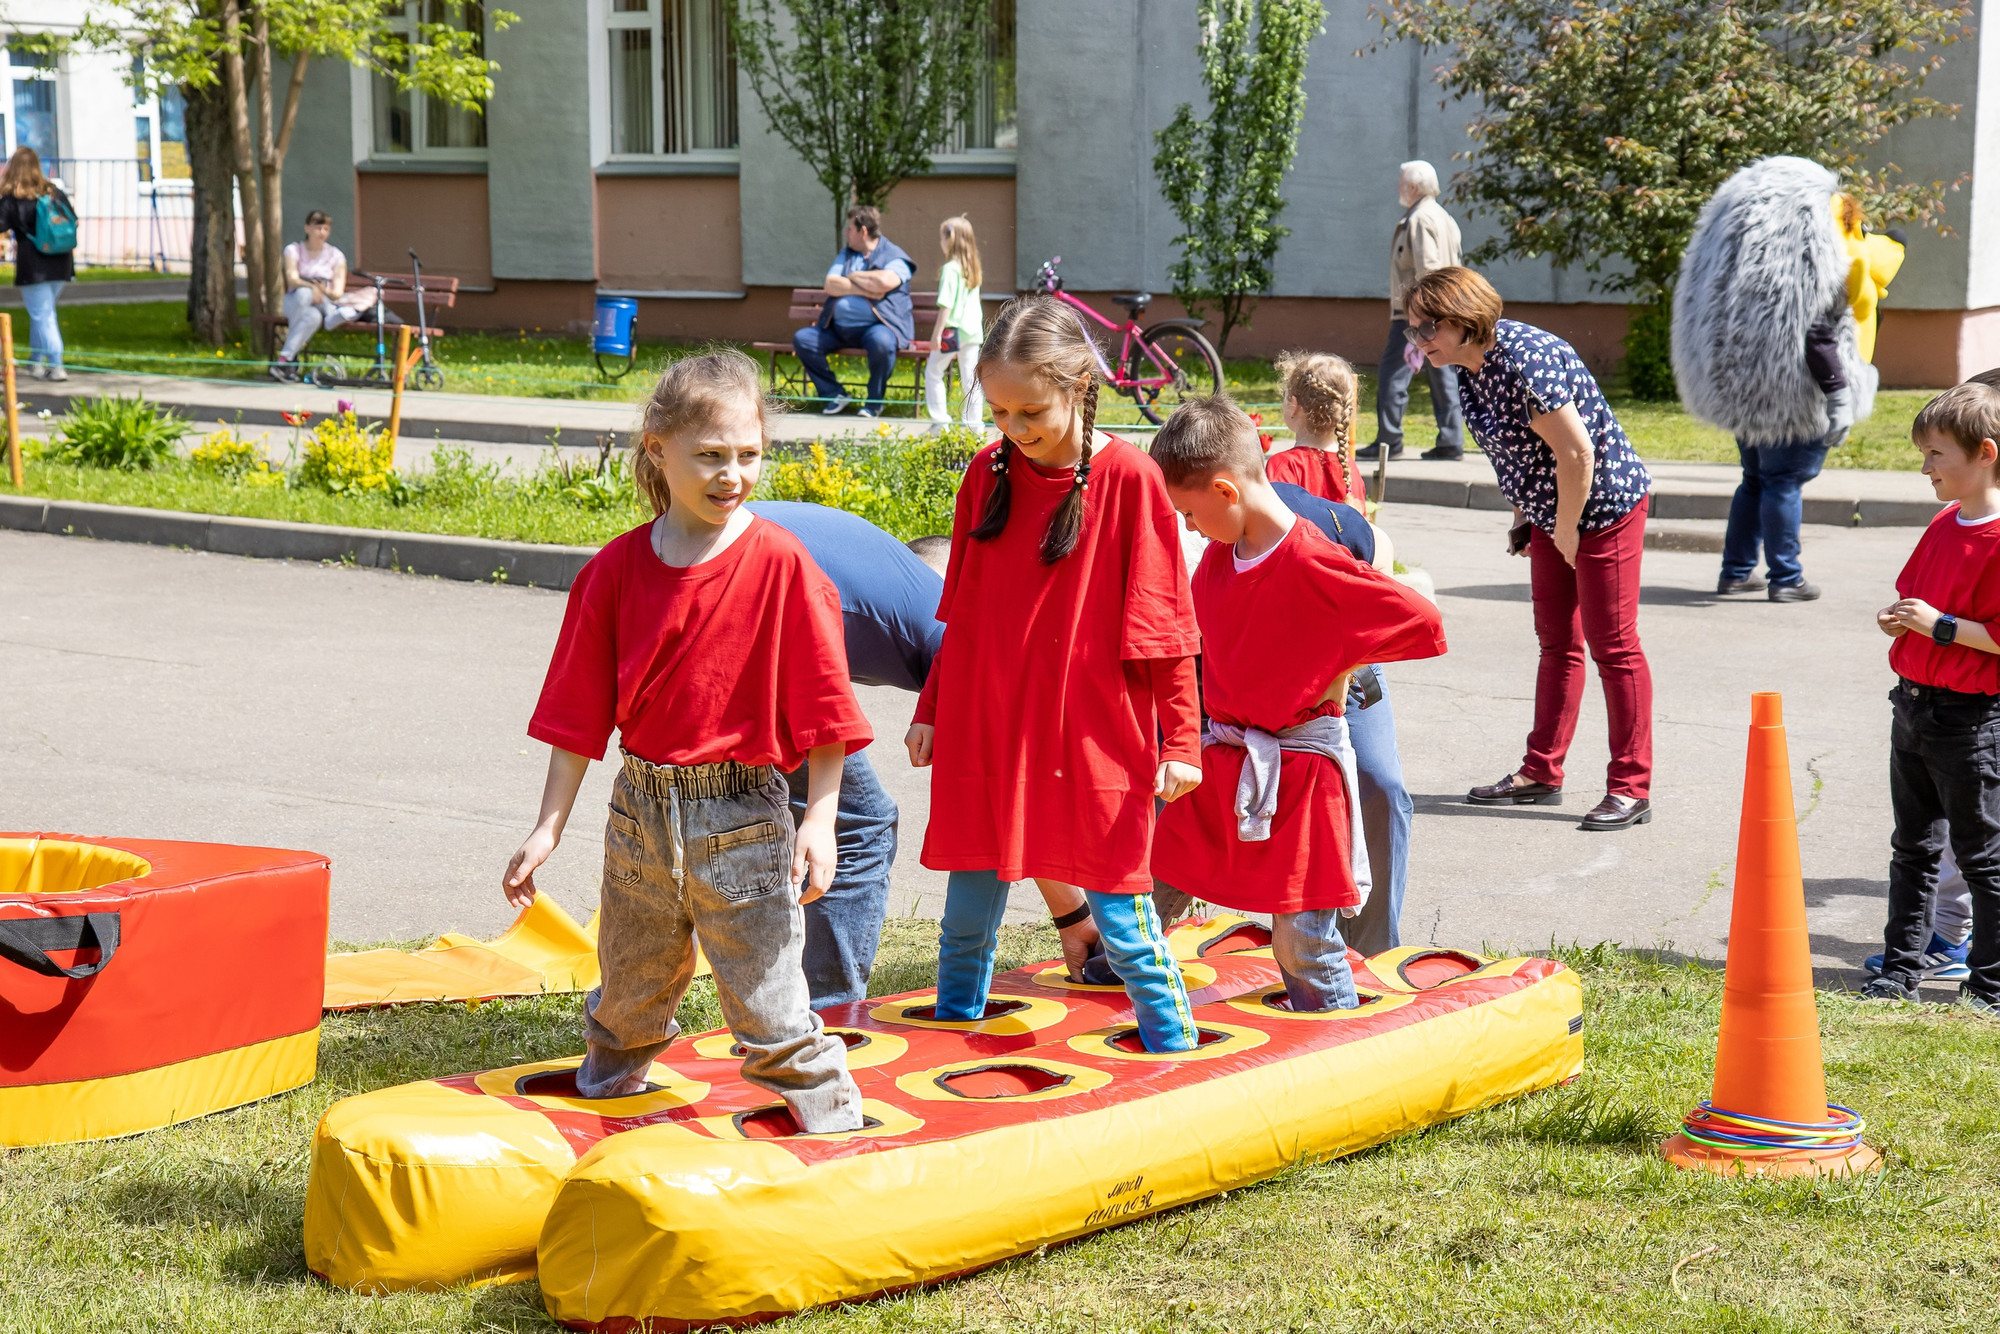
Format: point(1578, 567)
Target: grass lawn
point(99, 275)
point(1551, 1212)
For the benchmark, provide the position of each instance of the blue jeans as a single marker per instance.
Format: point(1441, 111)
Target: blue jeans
point(1312, 958)
point(878, 341)
point(1386, 812)
point(44, 334)
point(844, 925)
point(975, 902)
point(1768, 505)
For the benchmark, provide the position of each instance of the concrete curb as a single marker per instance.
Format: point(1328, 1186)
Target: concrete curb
point(470, 559)
point(1666, 504)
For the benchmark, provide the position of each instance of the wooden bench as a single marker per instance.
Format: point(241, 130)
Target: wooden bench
point(398, 289)
point(807, 302)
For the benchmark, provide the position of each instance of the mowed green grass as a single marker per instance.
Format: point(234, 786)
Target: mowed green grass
point(1552, 1212)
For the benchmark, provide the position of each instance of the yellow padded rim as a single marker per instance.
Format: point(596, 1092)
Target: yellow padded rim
point(58, 866)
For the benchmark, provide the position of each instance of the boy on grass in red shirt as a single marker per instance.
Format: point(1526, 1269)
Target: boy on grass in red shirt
point(1286, 616)
point(1947, 700)
point(713, 644)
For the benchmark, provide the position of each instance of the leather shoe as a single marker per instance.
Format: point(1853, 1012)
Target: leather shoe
point(1752, 584)
point(1616, 812)
point(1508, 792)
point(1798, 592)
point(1439, 454)
point(1374, 452)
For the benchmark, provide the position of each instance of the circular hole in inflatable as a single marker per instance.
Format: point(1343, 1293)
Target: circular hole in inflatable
point(846, 1035)
point(562, 1084)
point(1434, 967)
point(777, 1123)
point(994, 1009)
point(1247, 936)
point(1279, 1000)
point(1127, 1039)
point(1001, 1081)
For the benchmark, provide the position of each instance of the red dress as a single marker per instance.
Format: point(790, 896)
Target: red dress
point(1320, 471)
point(1055, 681)
point(1275, 636)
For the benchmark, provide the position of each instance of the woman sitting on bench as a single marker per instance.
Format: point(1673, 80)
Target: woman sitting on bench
point(316, 295)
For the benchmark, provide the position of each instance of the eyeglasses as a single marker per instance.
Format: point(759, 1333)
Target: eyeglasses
point(1422, 333)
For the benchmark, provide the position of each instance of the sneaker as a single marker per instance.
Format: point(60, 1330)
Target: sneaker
point(1374, 451)
point(38, 371)
point(1942, 962)
point(57, 375)
point(285, 372)
point(1440, 454)
point(837, 406)
point(870, 410)
point(1798, 592)
point(1749, 584)
point(1885, 989)
point(1977, 1003)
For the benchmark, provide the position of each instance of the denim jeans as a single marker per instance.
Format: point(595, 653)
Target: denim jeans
point(844, 925)
point(1392, 394)
point(1944, 782)
point(305, 315)
point(1386, 812)
point(675, 865)
point(976, 901)
point(1312, 958)
point(45, 345)
point(878, 341)
point(1767, 504)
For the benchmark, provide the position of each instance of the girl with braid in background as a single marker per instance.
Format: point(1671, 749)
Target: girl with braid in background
point(1068, 656)
point(1321, 399)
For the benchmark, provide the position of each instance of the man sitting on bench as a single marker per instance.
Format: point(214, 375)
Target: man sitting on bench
point(867, 307)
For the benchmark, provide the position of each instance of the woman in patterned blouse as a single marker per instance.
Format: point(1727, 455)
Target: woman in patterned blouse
point(1579, 496)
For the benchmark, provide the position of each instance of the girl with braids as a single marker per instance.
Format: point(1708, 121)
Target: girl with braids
point(1321, 399)
point(1068, 652)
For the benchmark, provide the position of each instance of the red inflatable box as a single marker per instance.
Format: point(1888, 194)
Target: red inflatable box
point(145, 982)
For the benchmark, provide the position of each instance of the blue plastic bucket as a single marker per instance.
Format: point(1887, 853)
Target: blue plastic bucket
point(611, 333)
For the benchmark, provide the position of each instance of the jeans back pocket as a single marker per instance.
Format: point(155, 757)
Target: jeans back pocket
point(747, 862)
point(624, 849)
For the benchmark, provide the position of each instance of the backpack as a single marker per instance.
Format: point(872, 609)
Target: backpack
point(55, 225)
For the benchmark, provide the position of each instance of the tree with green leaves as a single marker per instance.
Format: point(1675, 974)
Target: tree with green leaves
point(236, 46)
point(863, 90)
point(1604, 125)
point(1222, 173)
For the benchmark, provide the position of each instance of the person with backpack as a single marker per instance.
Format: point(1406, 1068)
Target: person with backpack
point(44, 225)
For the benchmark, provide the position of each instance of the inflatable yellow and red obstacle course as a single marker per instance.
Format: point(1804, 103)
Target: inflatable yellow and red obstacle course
point(145, 982)
point(698, 1202)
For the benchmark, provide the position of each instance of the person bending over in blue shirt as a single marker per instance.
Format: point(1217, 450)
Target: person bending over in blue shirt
point(888, 606)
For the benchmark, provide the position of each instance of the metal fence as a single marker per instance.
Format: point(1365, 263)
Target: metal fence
point(127, 218)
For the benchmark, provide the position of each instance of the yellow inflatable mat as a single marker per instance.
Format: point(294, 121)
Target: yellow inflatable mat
point(543, 952)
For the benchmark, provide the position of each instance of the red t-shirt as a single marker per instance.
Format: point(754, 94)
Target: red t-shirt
point(739, 658)
point(1320, 471)
point(1275, 636)
point(1955, 568)
point(1055, 681)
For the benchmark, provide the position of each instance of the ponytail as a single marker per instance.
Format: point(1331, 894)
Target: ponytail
point(1040, 332)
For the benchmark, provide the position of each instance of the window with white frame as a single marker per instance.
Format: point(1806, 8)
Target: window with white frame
point(409, 124)
point(673, 77)
point(34, 122)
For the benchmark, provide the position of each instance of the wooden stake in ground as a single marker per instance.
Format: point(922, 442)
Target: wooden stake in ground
point(396, 391)
point(13, 407)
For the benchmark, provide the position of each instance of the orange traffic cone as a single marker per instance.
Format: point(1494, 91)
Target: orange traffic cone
point(1769, 1114)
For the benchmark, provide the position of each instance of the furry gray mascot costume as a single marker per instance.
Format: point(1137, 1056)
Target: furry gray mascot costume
point(1764, 277)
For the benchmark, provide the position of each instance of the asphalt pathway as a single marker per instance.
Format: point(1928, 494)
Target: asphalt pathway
point(378, 718)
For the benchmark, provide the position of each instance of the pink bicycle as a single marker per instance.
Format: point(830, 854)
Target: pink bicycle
point(1156, 367)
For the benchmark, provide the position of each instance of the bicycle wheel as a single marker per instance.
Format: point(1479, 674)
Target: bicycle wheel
point(325, 373)
point(427, 377)
point(1179, 348)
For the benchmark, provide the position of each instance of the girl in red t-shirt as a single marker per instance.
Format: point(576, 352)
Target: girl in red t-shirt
point(1068, 650)
point(1321, 397)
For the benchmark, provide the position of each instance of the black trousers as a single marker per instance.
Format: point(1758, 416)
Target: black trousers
point(1944, 772)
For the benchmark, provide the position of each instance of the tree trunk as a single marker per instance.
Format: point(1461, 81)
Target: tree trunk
point(237, 90)
point(211, 305)
point(270, 166)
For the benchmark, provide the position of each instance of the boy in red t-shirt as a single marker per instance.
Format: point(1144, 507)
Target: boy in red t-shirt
point(713, 644)
point(1286, 616)
point(1947, 700)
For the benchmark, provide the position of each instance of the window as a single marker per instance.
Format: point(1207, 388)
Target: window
point(33, 76)
point(992, 124)
point(673, 77)
point(407, 122)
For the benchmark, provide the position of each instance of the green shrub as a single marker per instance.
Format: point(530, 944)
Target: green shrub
point(344, 456)
point(1649, 354)
point(129, 434)
point(907, 486)
point(226, 454)
point(569, 480)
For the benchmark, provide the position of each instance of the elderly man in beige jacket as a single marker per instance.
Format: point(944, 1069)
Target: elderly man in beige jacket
point(1425, 240)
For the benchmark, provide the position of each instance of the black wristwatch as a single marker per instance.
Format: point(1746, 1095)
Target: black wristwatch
point(1946, 629)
